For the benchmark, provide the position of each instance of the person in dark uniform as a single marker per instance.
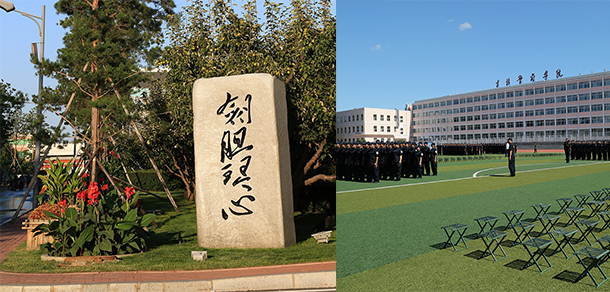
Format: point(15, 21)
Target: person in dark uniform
point(419, 155)
point(535, 148)
point(433, 154)
point(426, 158)
point(374, 162)
point(397, 162)
point(566, 149)
point(412, 166)
point(511, 157)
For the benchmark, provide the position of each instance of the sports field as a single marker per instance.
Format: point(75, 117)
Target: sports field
point(390, 238)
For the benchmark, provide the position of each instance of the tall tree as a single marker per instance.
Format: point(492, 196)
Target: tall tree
point(11, 102)
point(296, 43)
point(98, 64)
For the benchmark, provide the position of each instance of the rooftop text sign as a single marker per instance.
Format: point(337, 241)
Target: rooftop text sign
point(242, 162)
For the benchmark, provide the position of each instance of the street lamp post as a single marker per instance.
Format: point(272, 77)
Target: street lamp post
point(8, 7)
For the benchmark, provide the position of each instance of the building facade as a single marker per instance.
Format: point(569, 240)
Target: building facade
point(575, 107)
point(373, 124)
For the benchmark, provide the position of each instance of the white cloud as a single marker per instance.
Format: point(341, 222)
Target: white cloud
point(376, 48)
point(450, 20)
point(465, 26)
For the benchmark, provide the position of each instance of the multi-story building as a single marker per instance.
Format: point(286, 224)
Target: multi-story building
point(575, 107)
point(373, 124)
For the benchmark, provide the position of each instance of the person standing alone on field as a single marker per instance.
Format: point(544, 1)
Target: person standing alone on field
point(511, 157)
point(566, 149)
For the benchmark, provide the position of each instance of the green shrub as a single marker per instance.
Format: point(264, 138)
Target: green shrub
point(148, 180)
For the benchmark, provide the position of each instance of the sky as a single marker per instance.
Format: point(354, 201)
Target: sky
point(17, 33)
point(390, 53)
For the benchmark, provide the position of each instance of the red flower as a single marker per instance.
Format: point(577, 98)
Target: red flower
point(129, 192)
point(85, 175)
point(105, 187)
point(81, 195)
point(63, 205)
point(93, 192)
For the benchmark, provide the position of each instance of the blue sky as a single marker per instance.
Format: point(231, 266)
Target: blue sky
point(390, 53)
point(18, 32)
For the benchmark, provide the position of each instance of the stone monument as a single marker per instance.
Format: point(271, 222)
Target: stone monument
point(242, 162)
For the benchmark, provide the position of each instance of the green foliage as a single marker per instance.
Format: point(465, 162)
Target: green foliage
point(11, 102)
point(62, 182)
point(148, 180)
point(105, 227)
point(295, 43)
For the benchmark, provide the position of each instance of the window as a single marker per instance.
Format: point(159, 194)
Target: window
point(539, 123)
point(539, 90)
point(492, 116)
point(381, 128)
point(572, 109)
point(477, 127)
point(477, 118)
point(500, 95)
point(469, 118)
point(477, 98)
point(388, 118)
point(349, 118)
point(456, 128)
point(549, 111)
point(509, 94)
point(456, 111)
point(501, 115)
point(529, 91)
point(500, 105)
point(549, 122)
point(381, 117)
point(518, 103)
point(436, 104)
point(572, 97)
point(549, 100)
point(539, 101)
point(388, 129)
point(560, 99)
point(529, 102)
point(485, 117)
point(401, 120)
point(529, 123)
point(456, 101)
point(607, 81)
point(539, 112)
point(492, 106)
point(485, 126)
point(585, 120)
point(463, 128)
point(510, 104)
point(470, 127)
point(518, 92)
point(462, 100)
point(596, 83)
point(572, 86)
point(596, 107)
point(583, 108)
point(573, 121)
point(492, 126)
point(477, 108)
point(583, 96)
point(560, 87)
point(484, 107)
point(596, 95)
point(560, 110)
point(462, 110)
point(501, 125)
point(510, 115)
point(519, 114)
point(583, 84)
point(469, 100)
point(442, 103)
point(560, 122)
point(492, 97)
point(518, 124)
point(529, 113)
point(469, 109)
point(484, 97)
point(549, 89)
point(597, 120)
point(456, 119)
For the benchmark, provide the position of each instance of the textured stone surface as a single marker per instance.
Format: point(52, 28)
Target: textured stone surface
point(315, 280)
point(242, 162)
point(67, 288)
point(151, 286)
point(95, 288)
point(35, 288)
point(123, 287)
point(270, 282)
point(188, 286)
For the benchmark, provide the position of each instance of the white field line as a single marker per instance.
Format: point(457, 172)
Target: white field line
point(463, 178)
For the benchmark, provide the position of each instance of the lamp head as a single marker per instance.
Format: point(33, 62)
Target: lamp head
point(7, 6)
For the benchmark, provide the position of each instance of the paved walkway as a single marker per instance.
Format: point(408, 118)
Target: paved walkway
point(319, 275)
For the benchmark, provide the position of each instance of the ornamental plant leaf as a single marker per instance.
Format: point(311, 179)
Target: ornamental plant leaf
point(105, 245)
point(147, 219)
point(131, 215)
point(125, 225)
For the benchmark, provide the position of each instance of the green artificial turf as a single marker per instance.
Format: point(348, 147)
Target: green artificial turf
point(166, 252)
point(383, 230)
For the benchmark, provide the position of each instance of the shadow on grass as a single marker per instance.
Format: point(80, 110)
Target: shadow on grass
point(516, 264)
point(568, 276)
point(477, 254)
point(500, 175)
point(310, 223)
point(441, 245)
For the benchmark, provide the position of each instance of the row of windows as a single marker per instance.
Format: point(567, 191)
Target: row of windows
point(518, 114)
point(356, 118)
point(387, 118)
point(537, 134)
point(508, 105)
point(529, 91)
point(519, 124)
point(360, 129)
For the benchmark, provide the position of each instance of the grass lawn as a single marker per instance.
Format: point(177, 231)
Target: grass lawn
point(390, 237)
point(166, 253)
